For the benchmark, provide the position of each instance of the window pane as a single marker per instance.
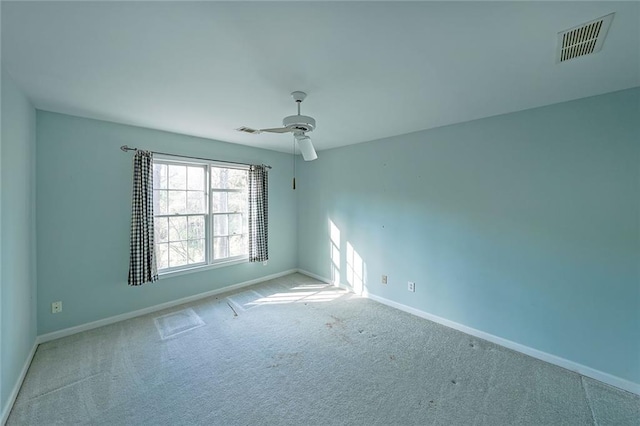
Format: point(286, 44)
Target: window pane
point(235, 224)
point(237, 202)
point(195, 202)
point(220, 225)
point(195, 178)
point(219, 178)
point(223, 178)
point(160, 176)
point(216, 177)
point(237, 245)
point(177, 202)
point(177, 254)
point(196, 251)
point(177, 228)
point(196, 227)
point(219, 202)
point(160, 202)
point(177, 177)
point(161, 226)
point(237, 179)
point(162, 255)
point(220, 247)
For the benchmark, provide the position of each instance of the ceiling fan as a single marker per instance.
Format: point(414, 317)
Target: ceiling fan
point(298, 124)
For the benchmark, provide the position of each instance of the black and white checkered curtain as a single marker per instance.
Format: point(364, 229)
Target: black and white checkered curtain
point(142, 256)
point(258, 214)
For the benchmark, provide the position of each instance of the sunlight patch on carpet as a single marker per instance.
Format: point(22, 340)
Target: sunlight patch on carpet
point(175, 323)
point(245, 300)
point(299, 294)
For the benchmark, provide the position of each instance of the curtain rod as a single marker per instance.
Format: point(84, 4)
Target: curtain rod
point(125, 148)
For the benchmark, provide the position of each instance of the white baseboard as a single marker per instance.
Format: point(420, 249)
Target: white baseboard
point(316, 276)
point(16, 388)
point(607, 378)
point(326, 280)
point(117, 318)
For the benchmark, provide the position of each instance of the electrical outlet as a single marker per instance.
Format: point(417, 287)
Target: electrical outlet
point(384, 279)
point(411, 286)
point(56, 307)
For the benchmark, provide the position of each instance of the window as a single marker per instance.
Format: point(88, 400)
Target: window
point(200, 212)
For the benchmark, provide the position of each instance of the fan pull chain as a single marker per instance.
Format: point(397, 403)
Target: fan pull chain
point(293, 152)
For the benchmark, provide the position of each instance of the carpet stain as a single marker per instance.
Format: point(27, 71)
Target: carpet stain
point(289, 355)
point(392, 357)
point(286, 358)
point(337, 322)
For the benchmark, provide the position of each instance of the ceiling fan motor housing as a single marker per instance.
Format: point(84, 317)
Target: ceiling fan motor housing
point(301, 123)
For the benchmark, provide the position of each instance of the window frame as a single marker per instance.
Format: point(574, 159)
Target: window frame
point(209, 261)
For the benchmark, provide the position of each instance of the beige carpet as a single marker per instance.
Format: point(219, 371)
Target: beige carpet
point(294, 351)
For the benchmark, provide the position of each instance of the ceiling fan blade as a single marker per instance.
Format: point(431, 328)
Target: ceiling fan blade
point(306, 148)
point(249, 130)
point(276, 130)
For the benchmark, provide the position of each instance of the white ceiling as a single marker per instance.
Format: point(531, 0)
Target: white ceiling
point(371, 69)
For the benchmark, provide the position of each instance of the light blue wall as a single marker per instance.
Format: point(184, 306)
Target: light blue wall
point(17, 218)
point(525, 226)
point(84, 210)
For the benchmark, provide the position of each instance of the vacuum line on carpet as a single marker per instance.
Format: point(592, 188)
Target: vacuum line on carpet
point(75, 382)
point(586, 394)
point(235, 314)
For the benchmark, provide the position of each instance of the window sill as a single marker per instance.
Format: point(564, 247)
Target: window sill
point(171, 274)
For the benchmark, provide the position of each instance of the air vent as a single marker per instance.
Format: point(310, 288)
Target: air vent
point(248, 130)
point(584, 39)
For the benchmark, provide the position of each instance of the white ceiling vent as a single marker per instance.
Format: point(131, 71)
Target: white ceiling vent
point(583, 39)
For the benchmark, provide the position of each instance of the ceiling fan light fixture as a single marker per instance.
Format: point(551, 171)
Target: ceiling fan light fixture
point(306, 148)
point(302, 123)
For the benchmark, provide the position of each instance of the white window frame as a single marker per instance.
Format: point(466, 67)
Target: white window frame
point(209, 262)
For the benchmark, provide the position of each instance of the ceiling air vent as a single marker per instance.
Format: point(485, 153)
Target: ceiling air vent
point(248, 130)
point(584, 39)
